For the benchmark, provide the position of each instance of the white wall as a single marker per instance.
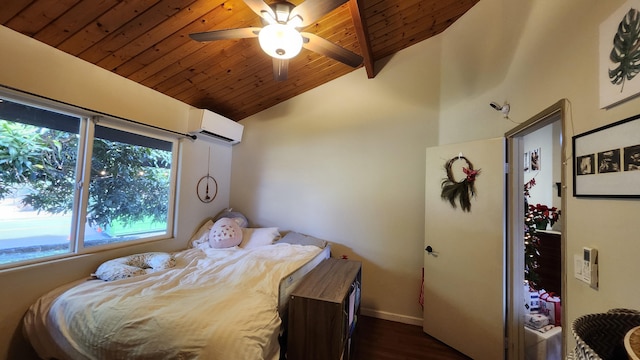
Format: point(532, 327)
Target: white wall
point(345, 160)
point(549, 51)
point(544, 192)
point(31, 66)
point(193, 166)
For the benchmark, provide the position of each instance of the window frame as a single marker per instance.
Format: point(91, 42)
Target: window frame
point(88, 120)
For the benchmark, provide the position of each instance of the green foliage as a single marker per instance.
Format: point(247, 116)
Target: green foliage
point(626, 49)
point(52, 186)
point(127, 182)
point(20, 151)
point(531, 253)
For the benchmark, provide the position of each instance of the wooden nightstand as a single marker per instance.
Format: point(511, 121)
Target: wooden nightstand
point(324, 311)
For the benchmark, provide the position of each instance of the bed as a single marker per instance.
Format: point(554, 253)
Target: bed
point(215, 303)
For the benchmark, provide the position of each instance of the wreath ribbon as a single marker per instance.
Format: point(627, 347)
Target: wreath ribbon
point(471, 174)
point(462, 191)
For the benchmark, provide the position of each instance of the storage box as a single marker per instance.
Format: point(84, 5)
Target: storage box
point(551, 307)
point(531, 301)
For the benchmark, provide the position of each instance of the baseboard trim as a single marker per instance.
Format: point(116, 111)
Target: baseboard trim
point(411, 320)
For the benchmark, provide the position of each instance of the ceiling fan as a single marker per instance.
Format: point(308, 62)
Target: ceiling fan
point(281, 37)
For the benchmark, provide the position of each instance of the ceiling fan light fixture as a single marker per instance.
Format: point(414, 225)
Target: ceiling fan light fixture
point(280, 41)
point(295, 21)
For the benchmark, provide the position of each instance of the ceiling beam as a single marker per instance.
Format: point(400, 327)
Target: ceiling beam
point(356, 8)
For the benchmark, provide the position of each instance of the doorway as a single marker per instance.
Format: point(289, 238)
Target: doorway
point(536, 183)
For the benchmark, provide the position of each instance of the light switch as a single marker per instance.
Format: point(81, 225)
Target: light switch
point(585, 267)
point(578, 264)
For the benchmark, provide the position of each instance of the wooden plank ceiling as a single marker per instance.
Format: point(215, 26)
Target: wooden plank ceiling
point(147, 41)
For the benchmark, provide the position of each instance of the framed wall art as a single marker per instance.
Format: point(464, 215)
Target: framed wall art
point(606, 160)
point(535, 159)
point(618, 71)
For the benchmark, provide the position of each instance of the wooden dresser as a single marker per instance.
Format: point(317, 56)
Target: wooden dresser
point(324, 311)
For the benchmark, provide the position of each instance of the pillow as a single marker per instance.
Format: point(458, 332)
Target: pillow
point(237, 216)
point(134, 265)
point(225, 233)
point(293, 237)
point(256, 237)
point(202, 235)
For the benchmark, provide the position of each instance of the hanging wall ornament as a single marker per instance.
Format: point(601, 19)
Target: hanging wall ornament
point(207, 187)
point(462, 190)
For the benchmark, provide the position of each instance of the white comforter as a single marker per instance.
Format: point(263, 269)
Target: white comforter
point(215, 304)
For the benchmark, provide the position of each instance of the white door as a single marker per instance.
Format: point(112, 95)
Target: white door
point(464, 272)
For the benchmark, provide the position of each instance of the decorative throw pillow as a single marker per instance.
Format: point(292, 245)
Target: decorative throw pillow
point(225, 233)
point(255, 237)
point(202, 235)
point(114, 270)
point(134, 265)
point(236, 215)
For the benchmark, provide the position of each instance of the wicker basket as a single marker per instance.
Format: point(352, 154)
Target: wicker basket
point(601, 336)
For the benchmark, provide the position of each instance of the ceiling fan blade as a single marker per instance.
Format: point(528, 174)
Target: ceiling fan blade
point(312, 10)
point(259, 6)
point(249, 32)
point(280, 69)
point(324, 47)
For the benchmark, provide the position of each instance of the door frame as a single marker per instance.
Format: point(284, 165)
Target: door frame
point(515, 225)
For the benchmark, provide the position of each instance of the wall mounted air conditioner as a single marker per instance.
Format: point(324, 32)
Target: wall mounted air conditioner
point(210, 125)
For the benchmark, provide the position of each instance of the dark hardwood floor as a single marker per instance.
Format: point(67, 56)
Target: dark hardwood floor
point(377, 339)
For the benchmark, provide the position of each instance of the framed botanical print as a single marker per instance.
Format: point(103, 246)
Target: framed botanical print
point(619, 67)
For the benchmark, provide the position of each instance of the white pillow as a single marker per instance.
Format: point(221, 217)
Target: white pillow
point(202, 235)
point(134, 265)
point(225, 233)
point(256, 237)
point(237, 216)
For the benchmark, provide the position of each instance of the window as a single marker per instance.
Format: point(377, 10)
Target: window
point(72, 182)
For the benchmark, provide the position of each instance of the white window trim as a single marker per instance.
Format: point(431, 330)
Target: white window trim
point(77, 248)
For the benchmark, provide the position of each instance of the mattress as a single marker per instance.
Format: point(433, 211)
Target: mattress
point(215, 304)
point(291, 281)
